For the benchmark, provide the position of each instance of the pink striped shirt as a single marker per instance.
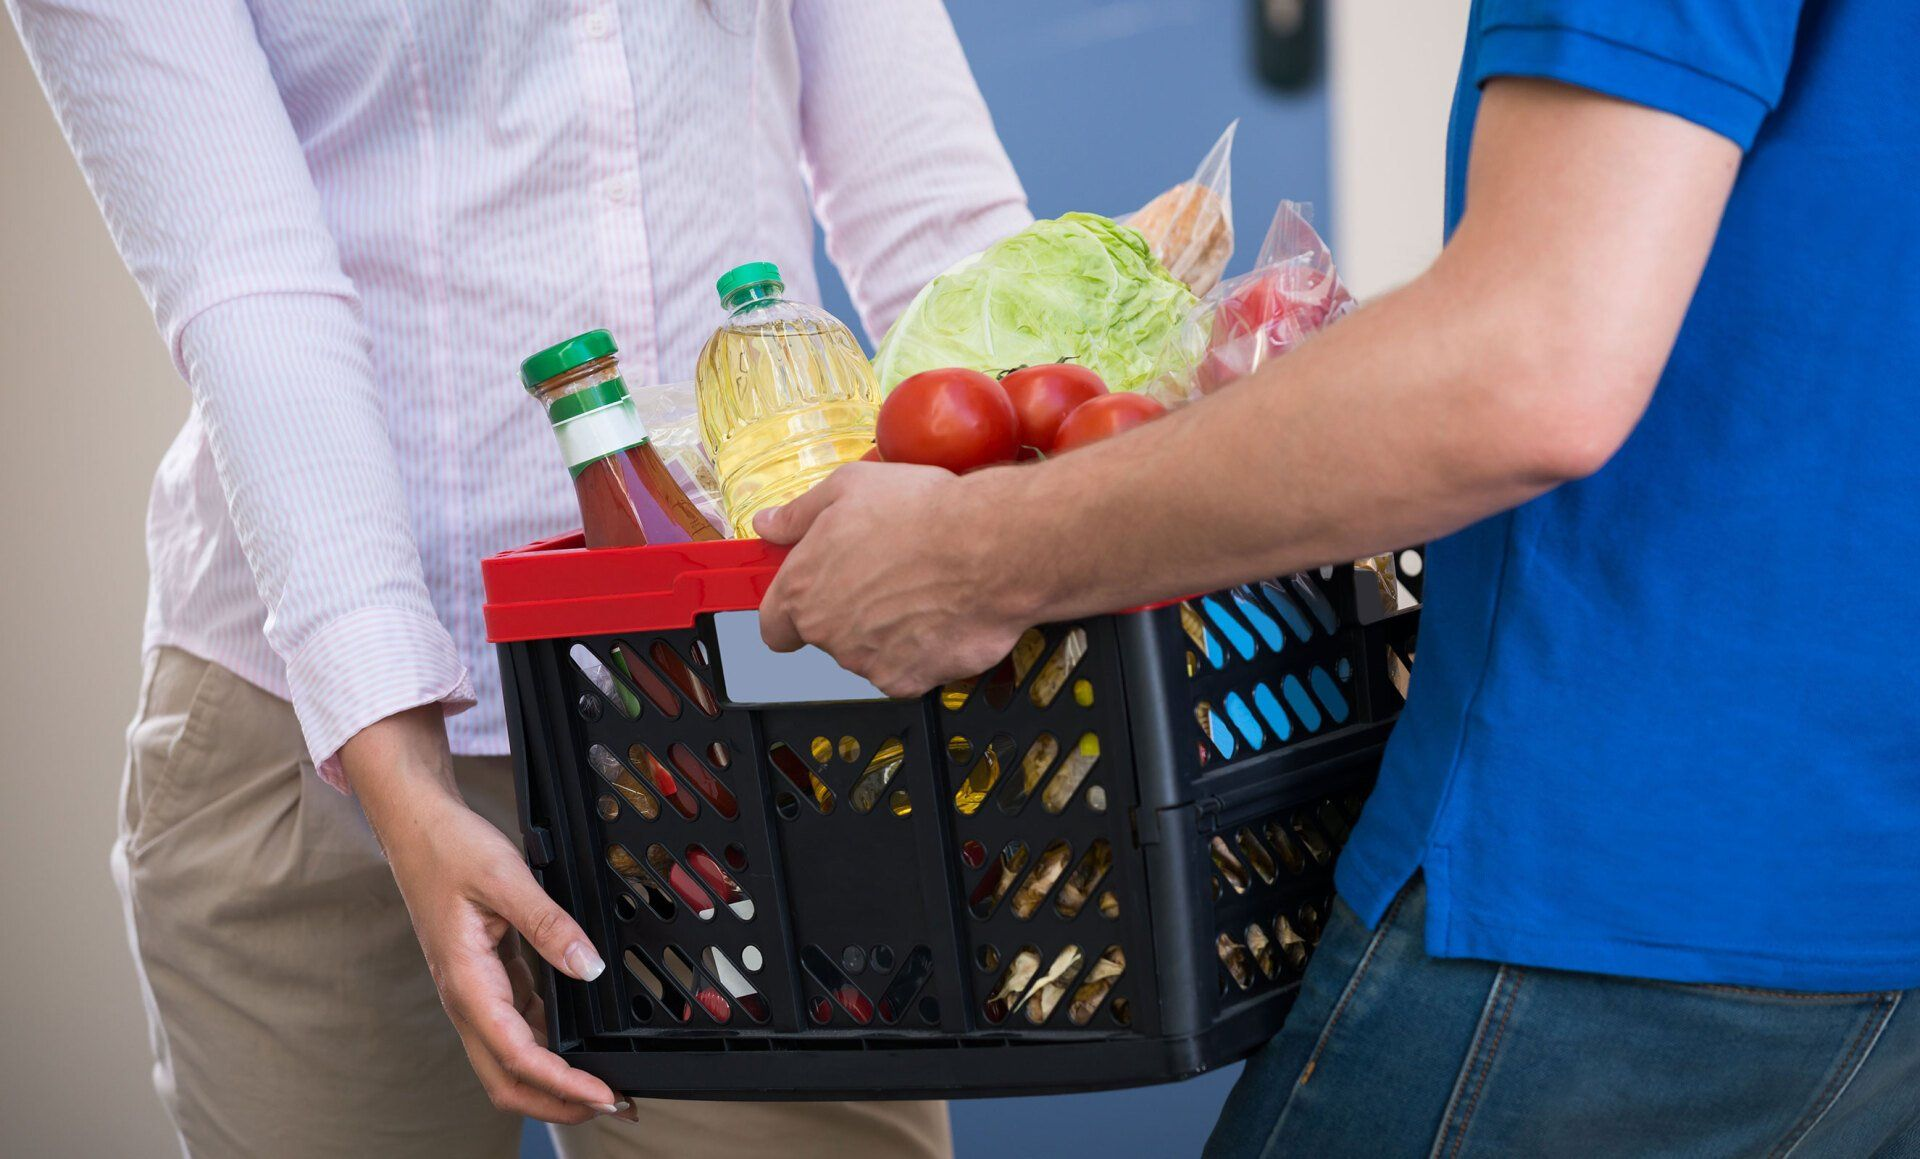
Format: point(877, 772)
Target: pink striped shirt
point(352, 219)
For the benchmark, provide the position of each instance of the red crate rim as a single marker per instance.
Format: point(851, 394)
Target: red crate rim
point(557, 587)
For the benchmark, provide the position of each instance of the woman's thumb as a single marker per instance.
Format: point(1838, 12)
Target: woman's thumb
point(552, 933)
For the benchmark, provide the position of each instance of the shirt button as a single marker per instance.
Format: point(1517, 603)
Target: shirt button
point(619, 189)
point(598, 25)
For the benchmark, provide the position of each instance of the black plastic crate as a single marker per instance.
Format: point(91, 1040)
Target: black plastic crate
point(1104, 863)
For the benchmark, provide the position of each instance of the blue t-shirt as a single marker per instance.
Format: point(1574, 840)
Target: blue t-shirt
point(1665, 720)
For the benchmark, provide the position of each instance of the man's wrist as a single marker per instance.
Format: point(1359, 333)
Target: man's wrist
point(1015, 560)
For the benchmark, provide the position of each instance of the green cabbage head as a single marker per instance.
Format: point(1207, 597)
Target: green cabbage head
point(1082, 288)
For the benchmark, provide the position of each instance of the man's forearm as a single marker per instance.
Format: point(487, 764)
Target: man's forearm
point(1522, 358)
point(1381, 432)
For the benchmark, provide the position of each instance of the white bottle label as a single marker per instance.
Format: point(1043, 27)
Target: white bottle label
point(598, 433)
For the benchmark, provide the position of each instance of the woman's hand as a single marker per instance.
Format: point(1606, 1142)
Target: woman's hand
point(468, 889)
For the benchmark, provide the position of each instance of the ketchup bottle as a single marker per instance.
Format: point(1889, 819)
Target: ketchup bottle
point(627, 496)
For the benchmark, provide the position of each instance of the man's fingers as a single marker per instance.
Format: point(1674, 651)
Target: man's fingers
point(550, 930)
point(788, 524)
point(777, 629)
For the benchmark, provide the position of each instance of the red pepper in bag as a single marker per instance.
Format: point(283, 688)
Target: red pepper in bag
point(1292, 291)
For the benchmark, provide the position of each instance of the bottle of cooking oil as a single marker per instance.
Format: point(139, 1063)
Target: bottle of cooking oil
point(785, 394)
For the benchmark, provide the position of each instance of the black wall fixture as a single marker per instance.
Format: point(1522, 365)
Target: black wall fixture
point(1287, 42)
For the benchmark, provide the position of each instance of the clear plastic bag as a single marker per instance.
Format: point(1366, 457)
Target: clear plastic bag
point(672, 418)
point(1190, 226)
point(1249, 320)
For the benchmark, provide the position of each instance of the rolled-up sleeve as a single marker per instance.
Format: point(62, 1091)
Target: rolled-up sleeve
point(1719, 63)
point(907, 173)
point(172, 111)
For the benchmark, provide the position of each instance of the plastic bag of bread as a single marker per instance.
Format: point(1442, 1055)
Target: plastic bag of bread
point(1190, 226)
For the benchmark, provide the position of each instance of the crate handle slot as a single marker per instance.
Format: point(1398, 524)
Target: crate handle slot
point(753, 674)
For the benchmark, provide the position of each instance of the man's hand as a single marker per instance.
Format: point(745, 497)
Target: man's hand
point(895, 573)
point(467, 890)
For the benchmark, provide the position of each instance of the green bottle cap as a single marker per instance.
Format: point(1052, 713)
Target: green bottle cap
point(747, 277)
point(591, 398)
point(562, 357)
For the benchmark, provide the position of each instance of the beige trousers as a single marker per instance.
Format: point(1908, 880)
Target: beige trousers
point(290, 1009)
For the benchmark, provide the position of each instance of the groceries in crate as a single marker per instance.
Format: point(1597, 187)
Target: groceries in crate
point(1043, 397)
point(1114, 297)
point(1068, 332)
point(1105, 417)
point(785, 394)
point(627, 496)
point(953, 418)
point(1082, 288)
point(962, 419)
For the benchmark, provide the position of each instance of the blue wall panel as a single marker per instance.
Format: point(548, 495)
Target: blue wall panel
point(1104, 103)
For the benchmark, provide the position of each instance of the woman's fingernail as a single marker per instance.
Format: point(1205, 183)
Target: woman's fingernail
point(612, 1108)
point(584, 963)
point(628, 1111)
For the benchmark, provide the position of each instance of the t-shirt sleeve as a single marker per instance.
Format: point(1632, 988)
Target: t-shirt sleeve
point(1719, 63)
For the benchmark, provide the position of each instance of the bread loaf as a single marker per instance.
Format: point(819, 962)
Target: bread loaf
point(1189, 231)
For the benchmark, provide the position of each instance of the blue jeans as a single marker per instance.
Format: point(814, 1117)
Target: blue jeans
point(1392, 1053)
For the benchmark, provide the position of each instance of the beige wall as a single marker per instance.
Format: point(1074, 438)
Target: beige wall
point(1392, 67)
point(74, 1059)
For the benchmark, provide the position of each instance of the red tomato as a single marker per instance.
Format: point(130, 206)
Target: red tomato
point(1105, 417)
point(1043, 397)
point(872, 456)
point(953, 418)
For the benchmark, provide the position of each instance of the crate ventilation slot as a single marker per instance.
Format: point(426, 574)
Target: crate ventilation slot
point(1273, 719)
point(802, 775)
point(663, 782)
point(641, 887)
point(872, 784)
point(637, 674)
point(1024, 988)
point(621, 778)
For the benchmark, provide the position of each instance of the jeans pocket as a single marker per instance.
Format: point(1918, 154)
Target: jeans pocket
point(1764, 995)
